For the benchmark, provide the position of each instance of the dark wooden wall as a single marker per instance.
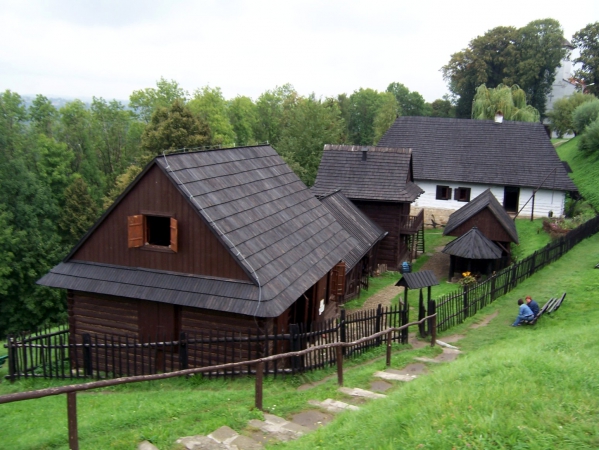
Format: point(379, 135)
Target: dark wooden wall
point(199, 250)
point(487, 223)
point(387, 215)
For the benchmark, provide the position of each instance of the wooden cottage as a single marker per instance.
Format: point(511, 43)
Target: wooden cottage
point(489, 219)
point(379, 182)
point(361, 260)
point(221, 240)
point(455, 160)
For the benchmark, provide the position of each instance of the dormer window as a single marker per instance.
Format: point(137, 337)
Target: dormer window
point(152, 231)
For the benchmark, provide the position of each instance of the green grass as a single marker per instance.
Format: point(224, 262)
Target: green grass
point(375, 284)
point(585, 170)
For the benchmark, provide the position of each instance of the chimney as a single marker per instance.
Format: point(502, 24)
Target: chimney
point(498, 117)
point(364, 153)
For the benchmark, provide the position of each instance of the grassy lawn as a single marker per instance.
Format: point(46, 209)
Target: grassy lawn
point(585, 170)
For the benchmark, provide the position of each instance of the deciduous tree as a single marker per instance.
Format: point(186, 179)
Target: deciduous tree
point(210, 105)
point(587, 41)
point(145, 101)
point(509, 101)
point(561, 115)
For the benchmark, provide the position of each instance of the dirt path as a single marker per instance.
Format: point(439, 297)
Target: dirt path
point(382, 297)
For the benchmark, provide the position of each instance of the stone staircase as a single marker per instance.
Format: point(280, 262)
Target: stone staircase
point(274, 428)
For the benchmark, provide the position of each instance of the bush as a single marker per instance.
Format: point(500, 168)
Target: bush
point(584, 115)
point(561, 115)
point(589, 141)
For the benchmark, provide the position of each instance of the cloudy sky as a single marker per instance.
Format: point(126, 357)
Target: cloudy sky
point(109, 48)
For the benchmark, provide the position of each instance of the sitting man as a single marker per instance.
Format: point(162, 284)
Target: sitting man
point(534, 306)
point(525, 313)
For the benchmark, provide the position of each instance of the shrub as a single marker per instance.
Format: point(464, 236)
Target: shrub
point(589, 141)
point(584, 115)
point(561, 115)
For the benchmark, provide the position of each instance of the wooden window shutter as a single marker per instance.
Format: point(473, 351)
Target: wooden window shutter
point(174, 234)
point(340, 271)
point(456, 194)
point(135, 231)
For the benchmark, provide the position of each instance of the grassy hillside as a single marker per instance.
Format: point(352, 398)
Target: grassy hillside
point(526, 387)
point(585, 170)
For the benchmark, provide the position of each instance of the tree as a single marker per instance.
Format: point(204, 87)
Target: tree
point(12, 123)
point(110, 128)
point(561, 115)
point(311, 124)
point(527, 57)
point(386, 115)
point(210, 105)
point(442, 108)
point(410, 103)
point(174, 128)
point(145, 101)
point(364, 105)
point(243, 116)
point(589, 141)
point(510, 101)
point(43, 115)
point(272, 108)
point(79, 212)
point(121, 183)
point(587, 41)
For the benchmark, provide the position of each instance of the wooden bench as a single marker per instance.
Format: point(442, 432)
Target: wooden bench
point(552, 305)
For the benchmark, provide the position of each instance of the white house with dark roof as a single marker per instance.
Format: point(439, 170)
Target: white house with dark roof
point(455, 160)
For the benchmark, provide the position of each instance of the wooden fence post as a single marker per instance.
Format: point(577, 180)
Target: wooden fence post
point(12, 359)
point(432, 322)
point(379, 316)
point(465, 303)
point(405, 315)
point(72, 420)
point(259, 384)
point(339, 349)
point(295, 346)
point(389, 338)
point(87, 355)
point(421, 315)
point(342, 329)
point(183, 355)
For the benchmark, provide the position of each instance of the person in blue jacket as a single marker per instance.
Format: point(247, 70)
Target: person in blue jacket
point(534, 306)
point(525, 313)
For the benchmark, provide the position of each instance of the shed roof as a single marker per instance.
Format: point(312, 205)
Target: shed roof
point(356, 223)
point(263, 215)
point(473, 245)
point(479, 151)
point(485, 200)
point(367, 173)
point(418, 280)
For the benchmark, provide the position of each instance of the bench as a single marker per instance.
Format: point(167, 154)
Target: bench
point(3, 359)
point(552, 305)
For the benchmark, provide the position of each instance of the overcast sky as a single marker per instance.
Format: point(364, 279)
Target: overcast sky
point(109, 48)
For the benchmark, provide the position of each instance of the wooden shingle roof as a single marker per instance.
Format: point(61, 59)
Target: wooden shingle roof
point(418, 280)
point(473, 245)
point(479, 151)
point(367, 173)
point(485, 200)
point(356, 223)
point(263, 215)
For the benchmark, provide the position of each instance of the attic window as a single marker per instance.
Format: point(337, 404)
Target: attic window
point(443, 193)
point(462, 194)
point(157, 232)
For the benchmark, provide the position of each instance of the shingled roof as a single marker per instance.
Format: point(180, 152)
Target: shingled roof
point(367, 173)
point(473, 245)
point(263, 215)
point(479, 151)
point(356, 223)
point(485, 200)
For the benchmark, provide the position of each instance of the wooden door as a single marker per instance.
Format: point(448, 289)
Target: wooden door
point(159, 322)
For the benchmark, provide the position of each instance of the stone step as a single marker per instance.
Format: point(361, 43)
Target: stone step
point(394, 376)
point(279, 428)
point(357, 392)
point(223, 438)
point(424, 359)
point(334, 406)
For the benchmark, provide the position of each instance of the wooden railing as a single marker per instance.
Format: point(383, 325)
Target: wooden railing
point(71, 390)
point(411, 224)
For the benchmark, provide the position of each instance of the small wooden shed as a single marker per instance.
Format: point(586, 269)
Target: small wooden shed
point(472, 252)
point(361, 260)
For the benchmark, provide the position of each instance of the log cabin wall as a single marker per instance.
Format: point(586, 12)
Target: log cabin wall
point(487, 223)
point(199, 251)
point(387, 215)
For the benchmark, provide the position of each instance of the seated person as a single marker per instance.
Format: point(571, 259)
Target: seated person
point(534, 306)
point(525, 313)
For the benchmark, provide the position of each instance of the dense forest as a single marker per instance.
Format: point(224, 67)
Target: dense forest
point(60, 168)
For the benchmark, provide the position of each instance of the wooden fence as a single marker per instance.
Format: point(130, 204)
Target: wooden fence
point(258, 364)
point(56, 354)
point(454, 308)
